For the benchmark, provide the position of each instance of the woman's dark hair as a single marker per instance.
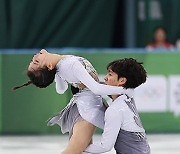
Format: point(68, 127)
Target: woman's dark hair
point(129, 68)
point(40, 78)
point(159, 27)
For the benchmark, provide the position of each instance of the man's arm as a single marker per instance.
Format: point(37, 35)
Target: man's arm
point(113, 121)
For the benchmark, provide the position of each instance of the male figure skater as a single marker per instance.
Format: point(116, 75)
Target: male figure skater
point(123, 128)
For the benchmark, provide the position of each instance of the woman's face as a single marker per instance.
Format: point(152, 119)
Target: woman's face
point(38, 60)
point(160, 35)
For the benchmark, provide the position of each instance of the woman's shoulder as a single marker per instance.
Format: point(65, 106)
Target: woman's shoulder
point(151, 45)
point(168, 44)
point(66, 59)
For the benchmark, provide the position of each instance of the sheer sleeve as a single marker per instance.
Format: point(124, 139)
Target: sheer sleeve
point(100, 89)
point(61, 85)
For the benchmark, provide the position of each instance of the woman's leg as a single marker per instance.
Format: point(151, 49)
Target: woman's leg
point(81, 137)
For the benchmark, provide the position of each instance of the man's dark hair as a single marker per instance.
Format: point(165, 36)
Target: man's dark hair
point(129, 68)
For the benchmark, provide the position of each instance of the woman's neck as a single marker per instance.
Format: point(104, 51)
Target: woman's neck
point(55, 58)
point(160, 43)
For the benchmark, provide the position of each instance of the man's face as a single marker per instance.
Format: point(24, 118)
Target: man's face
point(38, 60)
point(112, 79)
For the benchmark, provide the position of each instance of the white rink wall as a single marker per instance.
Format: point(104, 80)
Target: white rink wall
point(160, 144)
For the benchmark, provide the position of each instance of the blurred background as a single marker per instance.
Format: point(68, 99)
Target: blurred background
point(101, 31)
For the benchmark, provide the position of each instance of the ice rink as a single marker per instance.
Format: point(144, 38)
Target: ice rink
point(160, 144)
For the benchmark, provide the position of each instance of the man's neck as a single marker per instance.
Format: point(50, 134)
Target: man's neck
point(114, 97)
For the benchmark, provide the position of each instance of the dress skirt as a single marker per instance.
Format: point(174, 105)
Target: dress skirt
point(83, 106)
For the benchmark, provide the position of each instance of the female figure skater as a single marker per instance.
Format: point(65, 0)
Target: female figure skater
point(85, 110)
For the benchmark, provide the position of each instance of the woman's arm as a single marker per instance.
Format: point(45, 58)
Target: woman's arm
point(81, 74)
